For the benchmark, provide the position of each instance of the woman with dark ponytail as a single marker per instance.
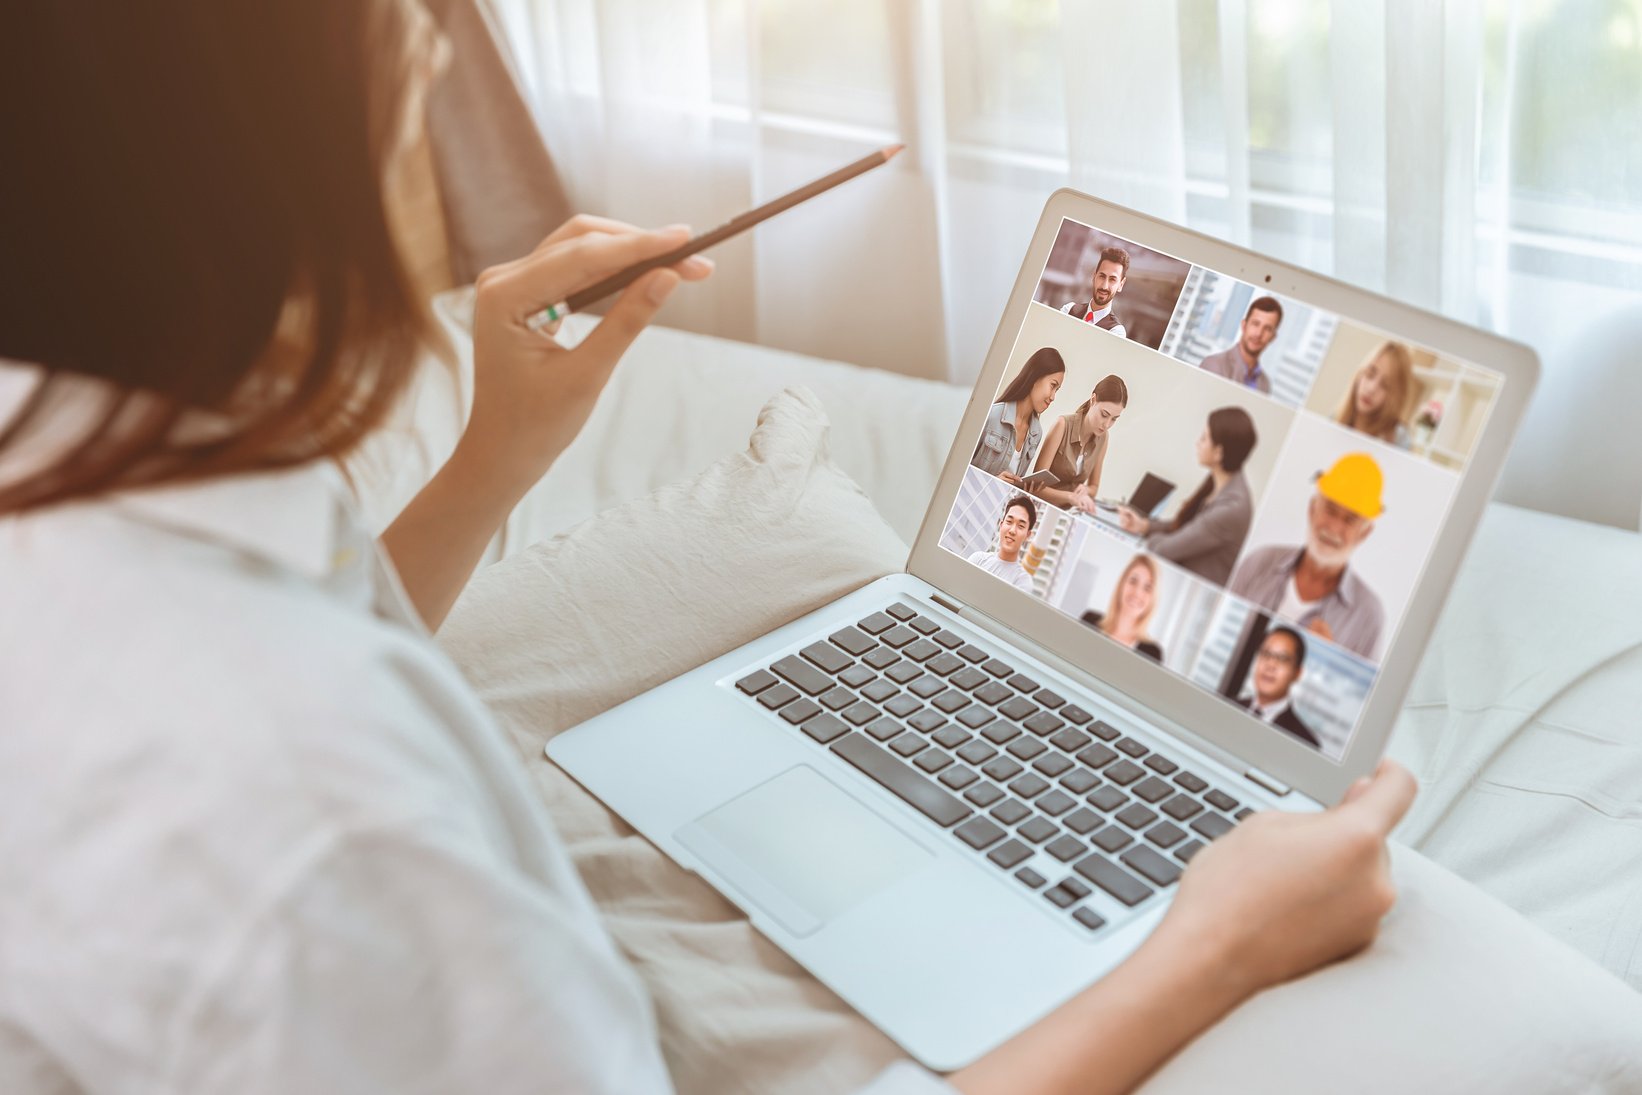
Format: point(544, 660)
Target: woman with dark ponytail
point(1208, 532)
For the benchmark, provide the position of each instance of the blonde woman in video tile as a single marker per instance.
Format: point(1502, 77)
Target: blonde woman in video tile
point(1379, 395)
point(1014, 428)
point(1208, 532)
point(1075, 450)
point(1134, 599)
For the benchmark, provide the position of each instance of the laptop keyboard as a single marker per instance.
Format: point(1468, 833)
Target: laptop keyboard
point(1010, 768)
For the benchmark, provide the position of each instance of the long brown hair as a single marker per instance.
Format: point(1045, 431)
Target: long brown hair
point(1045, 361)
point(194, 222)
point(1233, 430)
point(1399, 385)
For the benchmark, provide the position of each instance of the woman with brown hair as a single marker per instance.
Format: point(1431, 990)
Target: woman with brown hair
point(1075, 450)
point(1380, 392)
point(1134, 599)
point(257, 833)
point(1014, 427)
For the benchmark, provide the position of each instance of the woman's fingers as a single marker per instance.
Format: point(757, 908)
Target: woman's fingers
point(556, 272)
point(1385, 799)
point(583, 223)
point(631, 313)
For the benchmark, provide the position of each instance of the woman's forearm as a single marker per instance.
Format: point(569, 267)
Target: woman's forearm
point(1120, 1030)
point(437, 540)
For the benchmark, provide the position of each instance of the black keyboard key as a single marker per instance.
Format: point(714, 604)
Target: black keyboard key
point(876, 623)
point(1009, 854)
point(882, 729)
point(1010, 811)
point(1149, 865)
point(1106, 798)
point(923, 625)
point(1082, 821)
point(998, 667)
point(857, 675)
point(1151, 789)
point(1060, 898)
point(1043, 724)
point(1165, 834)
point(927, 721)
point(993, 693)
point(878, 691)
point(1243, 813)
point(802, 675)
point(754, 683)
point(1212, 826)
point(969, 679)
point(1131, 747)
point(1029, 878)
point(947, 639)
point(1020, 682)
point(921, 651)
point(827, 656)
point(931, 761)
point(905, 782)
point(1003, 769)
point(901, 610)
point(1112, 838)
point(950, 738)
point(1221, 801)
point(1000, 733)
point(1050, 699)
point(1019, 709)
point(1037, 830)
point(1105, 731)
point(1182, 807)
point(1161, 765)
point(881, 658)
point(775, 697)
point(908, 745)
point(979, 833)
point(1097, 756)
point(1079, 780)
point(854, 641)
point(1069, 740)
point(1185, 852)
point(958, 777)
point(952, 700)
point(824, 728)
point(972, 654)
point(1075, 715)
point(860, 714)
point(983, 794)
point(1191, 782)
point(975, 716)
point(902, 705)
point(944, 664)
point(1029, 785)
point(1124, 772)
point(903, 671)
point(837, 699)
point(1089, 918)
point(1056, 803)
point(1065, 848)
point(1136, 816)
point(977, 752)
point(1113, 879)
point(925, 686)
point(1052, 765)
point(1027, 748)
point(796, 713)
point(898, 637)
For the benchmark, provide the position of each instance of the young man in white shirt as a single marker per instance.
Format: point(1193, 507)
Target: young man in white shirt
point(1020, 517)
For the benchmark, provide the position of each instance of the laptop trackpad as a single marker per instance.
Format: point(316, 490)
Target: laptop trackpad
point(802, 849)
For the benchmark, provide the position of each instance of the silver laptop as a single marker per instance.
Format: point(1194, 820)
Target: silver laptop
point(953, 795)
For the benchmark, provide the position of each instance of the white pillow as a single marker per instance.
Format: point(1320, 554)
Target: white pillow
point(1460, 993)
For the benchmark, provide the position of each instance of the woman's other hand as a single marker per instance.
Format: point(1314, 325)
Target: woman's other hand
point(1082, 499)
point(1012, 479)
point(1283, 894)
point(1133, 522)
point(531, 395)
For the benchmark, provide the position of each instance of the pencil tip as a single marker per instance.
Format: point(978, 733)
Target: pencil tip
point(889, 153)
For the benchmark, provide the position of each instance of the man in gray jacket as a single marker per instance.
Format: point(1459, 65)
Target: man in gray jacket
point(1240, 362)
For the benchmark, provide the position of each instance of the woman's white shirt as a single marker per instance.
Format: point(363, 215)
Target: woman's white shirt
point(257, 835)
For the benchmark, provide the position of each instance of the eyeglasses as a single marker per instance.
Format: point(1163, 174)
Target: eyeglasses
point(1274, 656)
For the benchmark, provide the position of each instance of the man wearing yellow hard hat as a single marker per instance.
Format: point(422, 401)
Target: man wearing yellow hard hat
point(1311, 583)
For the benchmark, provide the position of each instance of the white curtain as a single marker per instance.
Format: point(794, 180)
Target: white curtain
point(1482, 158)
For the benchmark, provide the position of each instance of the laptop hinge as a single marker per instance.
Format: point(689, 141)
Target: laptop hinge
point(955, 609)
point(1270, 783)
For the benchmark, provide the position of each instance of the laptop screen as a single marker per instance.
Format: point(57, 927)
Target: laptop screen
point(1315, 457)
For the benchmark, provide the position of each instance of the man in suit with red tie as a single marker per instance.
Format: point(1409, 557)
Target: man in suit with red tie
point(1105, 284)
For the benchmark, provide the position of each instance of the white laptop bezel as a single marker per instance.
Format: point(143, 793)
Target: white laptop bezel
point(1149, 685)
